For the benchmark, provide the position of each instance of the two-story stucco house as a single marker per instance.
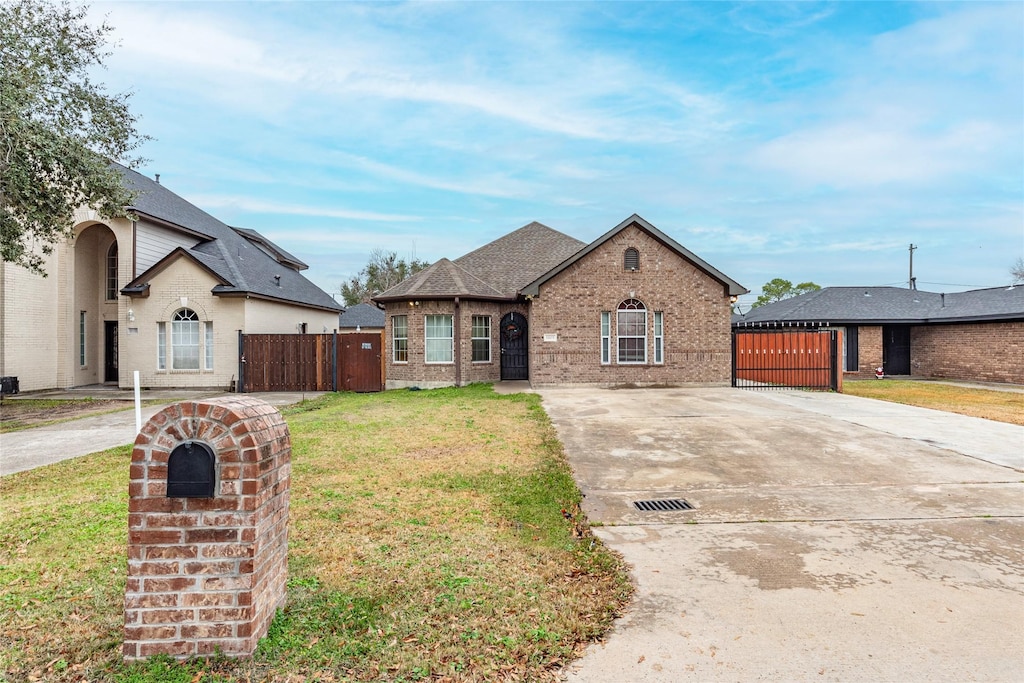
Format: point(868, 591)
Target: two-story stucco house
point(166, 294)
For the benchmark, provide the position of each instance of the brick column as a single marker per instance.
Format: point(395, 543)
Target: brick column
point(208, 574)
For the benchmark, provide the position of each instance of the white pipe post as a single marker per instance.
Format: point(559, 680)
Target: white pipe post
point(138, 405)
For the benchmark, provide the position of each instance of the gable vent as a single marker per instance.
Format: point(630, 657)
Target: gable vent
point(631, 260)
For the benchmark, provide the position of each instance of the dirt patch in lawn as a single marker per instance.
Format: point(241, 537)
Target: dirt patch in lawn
point(1001, 406)
point(24, 413)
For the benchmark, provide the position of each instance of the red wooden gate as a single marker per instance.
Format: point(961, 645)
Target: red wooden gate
point(763, 359)
point(310, 362)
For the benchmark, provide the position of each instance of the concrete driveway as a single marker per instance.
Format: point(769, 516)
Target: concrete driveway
point(833, 538)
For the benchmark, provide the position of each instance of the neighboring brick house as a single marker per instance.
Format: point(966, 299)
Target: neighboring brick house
point(632, 307)
point(165, 294)
point(976, 335)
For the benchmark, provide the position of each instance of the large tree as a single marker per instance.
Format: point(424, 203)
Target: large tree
point(59, 129)
point(383, 271)
point(1017, 271)
point(779, 289)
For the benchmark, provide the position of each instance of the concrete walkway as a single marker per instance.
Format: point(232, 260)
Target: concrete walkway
point(833, 538)
point(31, 448)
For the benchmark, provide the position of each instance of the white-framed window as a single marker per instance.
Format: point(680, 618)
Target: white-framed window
point(659, 337)
point(81, 338)
point(606, 337)
point(208, 345)
point(161, 346)
point(481, 338)
point(112, 273)
point(400, 338)
point(185, 340)
point(631, 332)
point(439, 346)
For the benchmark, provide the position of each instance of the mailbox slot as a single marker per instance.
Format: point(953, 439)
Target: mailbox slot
point(190, 471)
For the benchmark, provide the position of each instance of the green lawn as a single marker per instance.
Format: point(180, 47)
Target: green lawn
point(427, 541)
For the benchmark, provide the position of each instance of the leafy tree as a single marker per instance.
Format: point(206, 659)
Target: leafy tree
point(779, 289)
point(1017, 271)
point(384, 271)
point(58, 129)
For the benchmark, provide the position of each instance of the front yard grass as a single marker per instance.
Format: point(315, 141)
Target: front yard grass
point(426, 542)
point(1002, 406)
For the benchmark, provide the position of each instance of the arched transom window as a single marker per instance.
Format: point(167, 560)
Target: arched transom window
point(190, 342)
point(631, 331)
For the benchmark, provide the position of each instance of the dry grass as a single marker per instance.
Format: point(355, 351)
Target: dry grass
point(1002, 406)
point(427, 542)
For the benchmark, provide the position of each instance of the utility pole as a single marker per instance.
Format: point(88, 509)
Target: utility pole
point(912, 282)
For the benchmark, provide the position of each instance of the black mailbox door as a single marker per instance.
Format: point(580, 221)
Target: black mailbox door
point(190, 471)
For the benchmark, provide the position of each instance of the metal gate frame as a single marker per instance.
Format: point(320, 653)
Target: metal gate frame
point(767, 358)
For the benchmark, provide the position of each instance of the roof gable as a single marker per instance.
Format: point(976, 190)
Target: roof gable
point(245, 262)
point(533, 288)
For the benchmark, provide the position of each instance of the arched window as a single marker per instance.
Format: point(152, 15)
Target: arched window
point(631, 331)
point(112, 272)
point(631, 260)
point(185, 340)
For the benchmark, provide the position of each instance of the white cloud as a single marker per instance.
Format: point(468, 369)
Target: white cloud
point(248, 204)
point(862, 153)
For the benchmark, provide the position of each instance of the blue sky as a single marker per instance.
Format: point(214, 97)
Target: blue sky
point(809, 141)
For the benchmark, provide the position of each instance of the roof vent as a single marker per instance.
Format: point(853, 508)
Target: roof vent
point(277, 280)
point(157, 176)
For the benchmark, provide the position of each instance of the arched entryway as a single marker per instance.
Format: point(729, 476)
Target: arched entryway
point(95, 308)
point(514, 347)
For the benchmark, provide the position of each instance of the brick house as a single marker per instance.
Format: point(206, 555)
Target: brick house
point(165, 294)
point(632, 307)
point(976, 335)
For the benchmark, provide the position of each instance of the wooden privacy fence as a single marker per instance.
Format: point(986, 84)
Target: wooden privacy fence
point(310, 362)
point(772, 359)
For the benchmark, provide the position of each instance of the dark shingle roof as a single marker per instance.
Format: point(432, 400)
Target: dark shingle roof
point(233, 254)
point(361, 315)
point(511, 262)
point(880, 305)
point(441, 280)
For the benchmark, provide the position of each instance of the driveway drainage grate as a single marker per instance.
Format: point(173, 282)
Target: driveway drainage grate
point(666, 504)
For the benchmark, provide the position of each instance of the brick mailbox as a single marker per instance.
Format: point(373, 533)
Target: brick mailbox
point(207, 529)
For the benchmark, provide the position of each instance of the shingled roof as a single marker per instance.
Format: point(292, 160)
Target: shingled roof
point(889, 305)
point(244, 261)
point(361, 315)
point(511, 262)
point(497, 270)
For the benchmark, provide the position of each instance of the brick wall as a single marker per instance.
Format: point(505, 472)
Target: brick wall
point(988, 352)
point(697, 334)
point(869, 352)
point(207, 575)
point(416, 372)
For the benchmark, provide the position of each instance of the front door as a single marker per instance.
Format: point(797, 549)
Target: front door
point(514, 347)
point(110, 351)
point(896, 349)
